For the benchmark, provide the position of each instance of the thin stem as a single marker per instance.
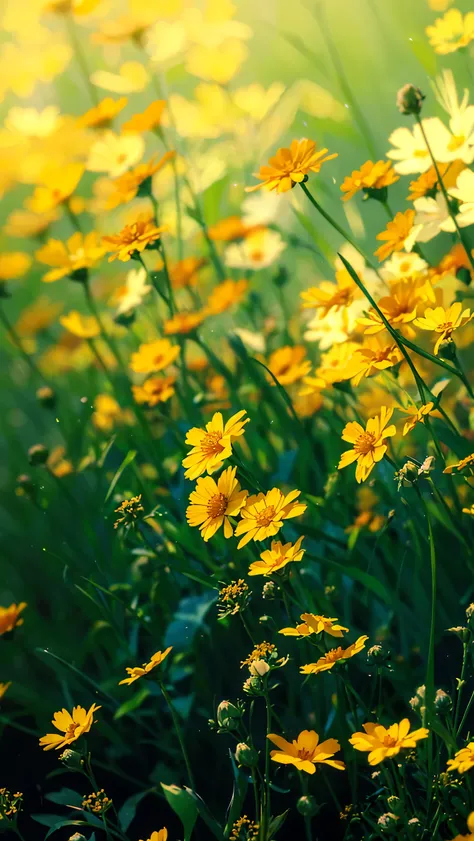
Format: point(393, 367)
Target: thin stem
point(461, 684)
point(179, 734)
point(459, 231)
point(73, 218)
point(18, 344)
point(170, 297)
point(81, 59)
point(266, 795)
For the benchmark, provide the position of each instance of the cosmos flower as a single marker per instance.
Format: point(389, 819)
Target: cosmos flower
point(291, 166)
point(129, 184)
point(71, 727)
point(131, 295)
point(306, 752)
point(335, 655)
point(212, 445)
point(368, 444)
point(154, 390)
point(212, 503)
point(258, 250)
point(226, 294)
point(57, 185)
point(382, 743)
point(264, 514)
point(375, 355)
point(288, 364)
point(136, 672)
point(114, 154)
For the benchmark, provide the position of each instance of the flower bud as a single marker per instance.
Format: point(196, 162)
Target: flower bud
point(46, 396)
point(259, 668)
point(470, 612)
point(78, 836)
point(395, 804)
point(253, 686)
point(270, 590)
point(307, 806)
point(377, 655)
point(462, 632)
point(447, 350)
point(246, 755)
point(387, 821)
point(228, 715)
point(72, 759)
point(442, 701)
point(38, 454)
point(409, 99)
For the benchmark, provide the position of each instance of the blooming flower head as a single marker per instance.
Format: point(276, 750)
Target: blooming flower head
point(185, 272)
point(410, 151)
point(57, 185)
point(102, 114)
point(370, 177)
point(368, 443)
point(114, 154)
point(10, 617)
point(274, 559)
point(312, 623)
point(136, 672)
point(212, 445)
point(154, 390)
point(212, 503)
point(184, 322)
point(400, 306)
point(470, 826)
point(229, 229)
point(129, 184)
point(133, 238)
point(132, 293)
point(226, 294)
point(288, 364)
point(152, 357)
point(13, 264)
point(159, 835)
point(335, 655)
point(257, 251)
point(328, 296)
point(83, 326)
point(427, 182)
point(147, 120)
point(463, 760)
point(306, 751)
point(403, 265)
point(264, 514)
point(291, 166)
point(398, 235)
point(78, 253)
point(416, 415)
point(451, 32)
point(384, 742)
point(444, 321)
point(71, 727)
point(375, 355)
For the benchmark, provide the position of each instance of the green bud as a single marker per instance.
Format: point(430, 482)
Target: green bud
point(46, 396)
point(245, 755)
point(72, 759)
point(78, 836)
point(38, 454)
point(409, 99)
point(395, 804)
point(228, 715)
point(270, 590)
point(447, 350)
point(307, 806)
point(377, 655)
point(442, 701)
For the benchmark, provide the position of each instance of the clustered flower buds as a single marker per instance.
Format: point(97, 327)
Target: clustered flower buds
point(98, 803)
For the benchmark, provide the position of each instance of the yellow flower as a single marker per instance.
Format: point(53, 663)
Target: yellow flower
point(114, 153)
point(470, 826)
point(306, 751)
point(335, 655)
point(72, 726)
point(369, 177)
point(463, 760)
point(13, 264)
point(416, 415)
point(132, 238)
point(78, 253)
point(211, 503)
point(428, 180)
point(468, 461)
point(10, 617)
point(314, 624)
point(277, 557)
point(444, 321)
point(154, 390)
point(103, 113)
point(451, 32)
point(160, 835)
point(108, 413)
point(154, 356)
point(265, 513)
point(369, 446)
point(127, 186)
point(328, 296)
point(226, 294)
point(132, 76)
point(4, 687)
point(229, 229)
point(372, 357)
point(397, 235)
point(470, 510)
point(82, 326)
point(57, 464)
point(384, 742)
point(149, 119)
point(184, 322)
point(57, 185)
point(400, 307)
point(212, 445)
point(23, 223)
point(185, 272)
point(291, 166)
point(136, 672)
point(288, 364)
point(332, 369)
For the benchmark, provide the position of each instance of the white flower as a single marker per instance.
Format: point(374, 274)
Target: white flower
point(335, 327)
point(410, 152)
point(257, 251)
point(464, 191)
point(262, 208)
point(433, 216)
point(135, 289)
point(114, 153)
point(401, 265)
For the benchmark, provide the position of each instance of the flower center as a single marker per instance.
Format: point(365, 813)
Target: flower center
point(333, 655)
point(389, 741)
point(447, 327)
point(420, 153)
point(265, 517)
point(365, 443)
point(71, 730)
point(257, 256)
point(305, 754)
point(211, 444)
point(456, 142)
point(217, 505)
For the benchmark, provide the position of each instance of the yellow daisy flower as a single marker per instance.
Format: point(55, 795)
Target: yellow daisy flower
point(416, 415)
point(71, 727)
point(212, 503)
point(314, 624)
point(306, 751)
point(444, 321)
point(274, 559)
point(384, 742)
point(265, 513)
point(291, 166)
point(133, 238)
point(83, 326)
point(212, 445)
point(78, 253)
point(371, 176)
point(226, 294)
point(451, 32)
point(288, 364)
point(136, 672)
point(463, 760)
point(369, 446)
point(155, 390)
point(335, 655)
point(152, 357)
point(396, 235)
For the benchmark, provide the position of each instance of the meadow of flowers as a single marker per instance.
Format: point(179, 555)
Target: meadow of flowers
point(237, 402)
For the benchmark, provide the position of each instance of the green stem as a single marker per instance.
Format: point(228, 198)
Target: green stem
point(461, 684)
point(19, 345)
point(466, 713)
point(179, 734)
point(73, 218)
point(266, 795)
point(459, 231)
point(170, 301)
point(430, 674)
point(108, 340)
point(81, 60)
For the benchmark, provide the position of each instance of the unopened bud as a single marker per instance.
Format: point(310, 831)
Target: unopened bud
point(228, 715)
point(307, 806)
point(409, 99)
point(387, 821)
point(447, 350)
point(46, 396)
point(246, 755)
point(38, 454)
point(395, 804)
point(259, 668)
point(377, 655)
point(442, 701)
point(270, 590)
point(78, 836)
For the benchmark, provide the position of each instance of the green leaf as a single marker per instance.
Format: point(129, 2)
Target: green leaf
point(132, 704)
point(128, 810)
point(208, 818)
point(276, 823)
point(239, 792)
point(127, 460)
point(46, 820)
point(95, 822)
point(370, 581)
point(183, 805)
point(65, 797)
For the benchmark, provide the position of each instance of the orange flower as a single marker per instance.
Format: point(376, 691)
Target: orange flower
point(428, 181)
point(155, 390)
point(335, 655)
point(288, 364)
point(58, 184)
point(184, 322)
point(133, 238)
point(291, 166)
point(230, 229)
point(369, 177)
point(400, 306)
point(149, 119)
point(102, 114)
point(10, 617)
point(136, 672)
point(226, 294)
point(128, 185)
point(397, 235)
point(185, 272)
